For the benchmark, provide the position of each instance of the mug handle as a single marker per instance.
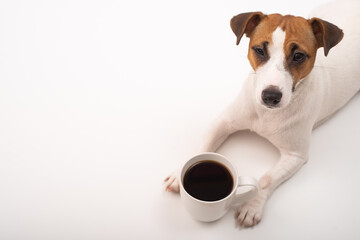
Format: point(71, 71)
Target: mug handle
point(244, 196)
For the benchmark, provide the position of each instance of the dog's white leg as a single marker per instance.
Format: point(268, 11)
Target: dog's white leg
point(227, 123)
point(251, 212)
point(218, 133)
point(236, 117)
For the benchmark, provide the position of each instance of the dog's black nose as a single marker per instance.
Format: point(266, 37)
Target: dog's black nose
point(271, 96)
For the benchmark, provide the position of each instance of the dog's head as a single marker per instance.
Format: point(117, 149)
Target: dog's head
point(282, 51)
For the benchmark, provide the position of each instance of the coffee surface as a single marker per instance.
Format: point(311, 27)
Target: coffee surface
point(208, 181)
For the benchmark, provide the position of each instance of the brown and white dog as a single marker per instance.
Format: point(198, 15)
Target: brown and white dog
point(293, 88)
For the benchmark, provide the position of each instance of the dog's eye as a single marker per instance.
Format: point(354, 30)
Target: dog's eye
point(259, 51)
point(299, 57)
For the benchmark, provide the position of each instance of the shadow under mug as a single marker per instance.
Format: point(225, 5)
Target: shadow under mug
point(208, 211)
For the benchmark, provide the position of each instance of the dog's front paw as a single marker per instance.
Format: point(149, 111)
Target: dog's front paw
point(250, 213)
point(172, 183)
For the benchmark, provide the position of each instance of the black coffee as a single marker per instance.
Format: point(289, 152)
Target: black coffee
point(208, 181)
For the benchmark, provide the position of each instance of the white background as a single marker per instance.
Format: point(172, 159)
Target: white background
point(101, 100)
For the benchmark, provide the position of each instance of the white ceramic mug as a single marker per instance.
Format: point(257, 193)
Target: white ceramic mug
point(208, 211)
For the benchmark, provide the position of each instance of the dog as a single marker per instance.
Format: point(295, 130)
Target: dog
point(296, 84)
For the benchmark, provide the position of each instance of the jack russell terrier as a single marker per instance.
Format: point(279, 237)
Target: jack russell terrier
point(292, 89)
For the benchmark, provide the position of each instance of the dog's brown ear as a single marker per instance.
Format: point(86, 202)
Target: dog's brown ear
point(327, 34)
point(245, 23)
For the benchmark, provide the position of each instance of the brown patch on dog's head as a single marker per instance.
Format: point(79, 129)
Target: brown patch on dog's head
point(300, 47)
point(261, 38)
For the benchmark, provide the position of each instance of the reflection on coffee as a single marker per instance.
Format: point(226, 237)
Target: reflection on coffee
point(208, 181)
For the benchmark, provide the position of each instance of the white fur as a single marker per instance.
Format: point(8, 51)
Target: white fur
point(333, 81)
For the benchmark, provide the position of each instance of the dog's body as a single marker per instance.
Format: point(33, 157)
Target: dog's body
point(289, 93)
